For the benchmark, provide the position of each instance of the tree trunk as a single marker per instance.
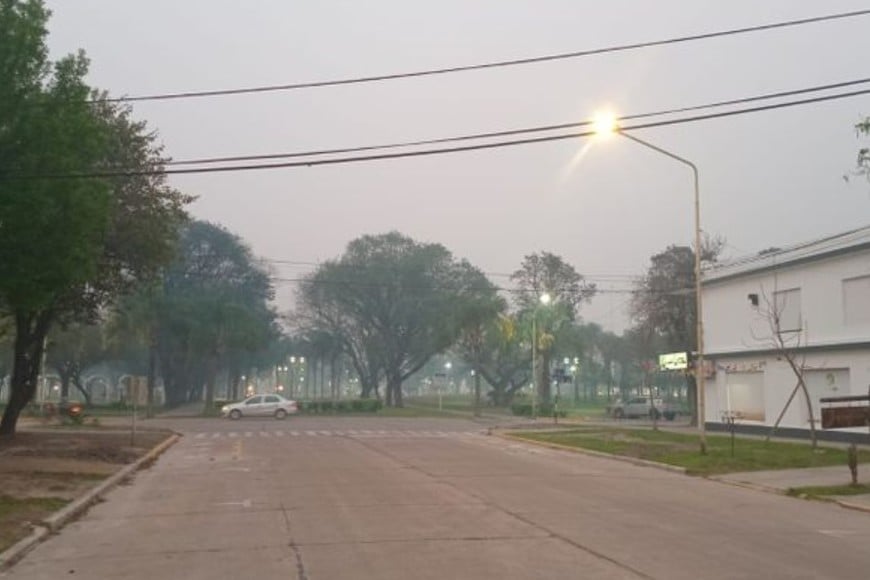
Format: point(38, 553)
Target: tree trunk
point(30, 332)
point(65, 372)
point(152, 376)
point(544, 378)
point(77, 381)
point(322, 377)
point(477, 394)
point(210, 379)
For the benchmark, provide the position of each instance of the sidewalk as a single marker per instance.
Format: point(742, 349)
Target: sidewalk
point(780, 481)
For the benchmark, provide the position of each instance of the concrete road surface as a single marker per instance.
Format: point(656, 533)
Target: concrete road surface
point(392, 499)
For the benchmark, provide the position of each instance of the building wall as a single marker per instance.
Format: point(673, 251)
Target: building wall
point(750, 377)
point(758, 386)
point(733, 325)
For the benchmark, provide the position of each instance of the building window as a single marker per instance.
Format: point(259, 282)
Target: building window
point(787, 307)
point(856, 301)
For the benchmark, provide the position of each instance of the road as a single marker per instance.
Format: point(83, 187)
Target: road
point(396, 499)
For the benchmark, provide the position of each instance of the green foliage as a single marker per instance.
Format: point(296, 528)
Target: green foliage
point(548, 273)
point(320, 407)
point(682, 450)
point(525, 409)
point(392, 303)
point(212, 308)
point(71, 244)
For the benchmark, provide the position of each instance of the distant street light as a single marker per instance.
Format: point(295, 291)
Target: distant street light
point(606, 125)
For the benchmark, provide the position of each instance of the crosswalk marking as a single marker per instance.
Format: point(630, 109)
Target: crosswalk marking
point(352, 433)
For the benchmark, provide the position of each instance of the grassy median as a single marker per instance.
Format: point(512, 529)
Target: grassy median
point(682, 449)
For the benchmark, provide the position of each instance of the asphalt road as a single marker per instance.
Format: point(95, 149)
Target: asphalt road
point(397, 499)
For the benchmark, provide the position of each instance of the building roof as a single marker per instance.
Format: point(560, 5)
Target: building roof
point(850, 241)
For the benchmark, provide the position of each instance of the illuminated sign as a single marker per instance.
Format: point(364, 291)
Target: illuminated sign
point(674, 361)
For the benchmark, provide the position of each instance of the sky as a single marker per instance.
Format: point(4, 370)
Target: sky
point(604, 205)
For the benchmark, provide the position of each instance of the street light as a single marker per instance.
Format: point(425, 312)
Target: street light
point(606, 124)
point(543, 299)
point(447, 366)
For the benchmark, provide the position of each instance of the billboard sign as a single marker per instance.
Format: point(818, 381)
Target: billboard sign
point(674, 361)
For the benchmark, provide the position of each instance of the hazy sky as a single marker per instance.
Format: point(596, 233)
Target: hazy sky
point(767, 179)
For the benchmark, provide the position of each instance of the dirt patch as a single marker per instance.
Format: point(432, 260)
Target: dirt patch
point(41, 471)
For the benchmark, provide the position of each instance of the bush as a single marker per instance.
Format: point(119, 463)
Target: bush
point(344, 406)
point(543, 410)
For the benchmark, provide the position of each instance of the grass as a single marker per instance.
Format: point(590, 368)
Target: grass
point(829, 490)
point(682, 450)
point(16, 515)
point(465, 404)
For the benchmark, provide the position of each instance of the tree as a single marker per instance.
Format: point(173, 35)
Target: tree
point(663, 301)
point(71, 351)
point(478, 324)
point(393, 303)
point(71, 243)
point(214, 300)
point(540, 274)
point(785, 339)
point(51, 228)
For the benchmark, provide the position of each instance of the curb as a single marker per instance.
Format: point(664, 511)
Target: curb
point(18, 550)
point(624, 459)
point(853, 506)
point(748, 485)
point(57, 520)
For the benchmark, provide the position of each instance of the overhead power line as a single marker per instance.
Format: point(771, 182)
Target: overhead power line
point(494, 64)
point(521, 131)
point(609, 278)
point(349, 282)
point(438, 151)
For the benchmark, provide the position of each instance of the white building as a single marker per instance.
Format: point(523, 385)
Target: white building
point(817, 296)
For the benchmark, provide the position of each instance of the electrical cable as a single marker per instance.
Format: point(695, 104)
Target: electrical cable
point(506, 133)
point(437, 151)
point(494, 64)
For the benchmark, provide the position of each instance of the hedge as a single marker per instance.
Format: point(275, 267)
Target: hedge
point(343, 406)
point(542, 410)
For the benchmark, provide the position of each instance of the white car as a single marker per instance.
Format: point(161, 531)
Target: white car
point(260, 406)
point(642, 407)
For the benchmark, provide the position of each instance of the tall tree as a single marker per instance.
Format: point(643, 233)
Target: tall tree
point(549, 274)
point(393, 302)
point(71, 351)
point(503, 359)
point(215, 300)
point(663, 301)
point(71, 244)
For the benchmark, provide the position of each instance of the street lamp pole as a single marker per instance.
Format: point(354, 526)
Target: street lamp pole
point(700, 378)
point(543, 299)
point(534, 363)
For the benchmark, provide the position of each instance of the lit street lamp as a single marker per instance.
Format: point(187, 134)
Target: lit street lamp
point(447, 366)
point(606, 125)
point(544, 299)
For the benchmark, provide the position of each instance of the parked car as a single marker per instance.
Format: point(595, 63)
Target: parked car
point(261, 406)
point(642, 407)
